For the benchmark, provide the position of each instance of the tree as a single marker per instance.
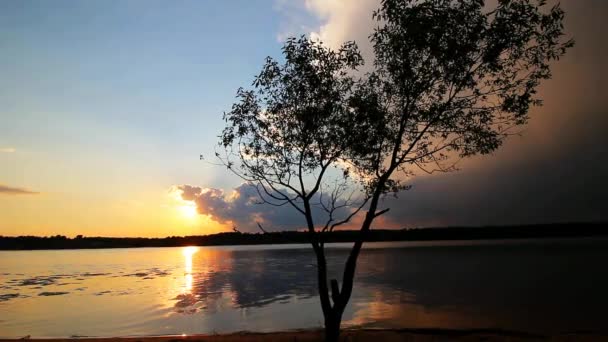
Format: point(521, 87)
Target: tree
point(450, 79)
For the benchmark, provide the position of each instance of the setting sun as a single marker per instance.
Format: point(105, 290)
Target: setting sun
point(188, 210)
point(189, 251)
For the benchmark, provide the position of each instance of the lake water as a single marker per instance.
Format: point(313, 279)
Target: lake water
point(539, 286)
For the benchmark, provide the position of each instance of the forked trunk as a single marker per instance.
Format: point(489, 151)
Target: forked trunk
point(340, 297)
point(332, 326)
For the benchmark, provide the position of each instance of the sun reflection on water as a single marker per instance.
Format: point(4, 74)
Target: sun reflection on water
point(188, 252)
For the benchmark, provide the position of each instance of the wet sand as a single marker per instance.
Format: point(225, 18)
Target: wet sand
point(414, 335)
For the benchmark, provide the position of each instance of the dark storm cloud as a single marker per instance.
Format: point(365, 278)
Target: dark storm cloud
point(540, 190)
point(8, 190)
point(556, 171)
point(242, 208)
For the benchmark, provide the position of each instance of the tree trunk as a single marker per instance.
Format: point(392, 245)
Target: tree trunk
point(333, 314)
point(332, 325)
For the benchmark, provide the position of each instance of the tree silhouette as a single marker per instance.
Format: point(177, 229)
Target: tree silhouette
point(450, 79)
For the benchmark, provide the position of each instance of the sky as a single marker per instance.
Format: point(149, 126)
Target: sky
point(105, 107)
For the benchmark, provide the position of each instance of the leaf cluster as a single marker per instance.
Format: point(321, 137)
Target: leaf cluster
point(452, 78)
point(295, 123)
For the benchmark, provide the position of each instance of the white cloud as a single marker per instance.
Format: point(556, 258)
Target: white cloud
point(7, 149)
point(343, 20)
point(242, 208)
point(331, 21)
point(295, 19)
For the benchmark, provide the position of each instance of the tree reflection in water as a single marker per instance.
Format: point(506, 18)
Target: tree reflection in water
point(518, 286)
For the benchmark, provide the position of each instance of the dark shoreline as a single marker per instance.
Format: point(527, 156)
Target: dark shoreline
point(357, 334)
point(539, 231)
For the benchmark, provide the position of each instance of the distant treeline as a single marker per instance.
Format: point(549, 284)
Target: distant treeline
point(237, 238)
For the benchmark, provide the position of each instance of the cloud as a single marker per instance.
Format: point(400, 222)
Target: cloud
point(331, 21)
point(7, 149)
point(344, 20)
point(295, 19)
point(554, 172)
point(506, 191)
point(242, 208)
point(7, 190)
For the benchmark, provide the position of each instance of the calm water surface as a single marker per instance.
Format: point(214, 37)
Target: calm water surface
point(543, 286)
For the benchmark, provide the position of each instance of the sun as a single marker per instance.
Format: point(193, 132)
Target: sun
point(188, 210)
point(189, 251)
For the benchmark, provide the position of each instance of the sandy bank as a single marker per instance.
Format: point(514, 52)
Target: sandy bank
point(414, 335)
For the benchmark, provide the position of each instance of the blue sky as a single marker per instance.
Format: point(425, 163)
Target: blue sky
point(102, 99)
point(134, 78)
